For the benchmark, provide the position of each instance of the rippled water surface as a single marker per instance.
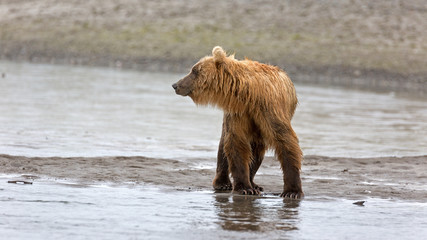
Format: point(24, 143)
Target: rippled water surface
point(48, 110)
point(63, 210)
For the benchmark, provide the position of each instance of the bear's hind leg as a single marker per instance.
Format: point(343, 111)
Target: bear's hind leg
point(258, 151)
point(289, 153)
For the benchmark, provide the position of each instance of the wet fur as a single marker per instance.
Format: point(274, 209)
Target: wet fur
point(259, 101)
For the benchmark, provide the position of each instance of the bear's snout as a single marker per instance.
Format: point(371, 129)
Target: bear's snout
point(181, 88)
point(175, 86)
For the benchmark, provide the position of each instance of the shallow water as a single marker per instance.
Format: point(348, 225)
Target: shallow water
point(63, 210)
point(50, 110)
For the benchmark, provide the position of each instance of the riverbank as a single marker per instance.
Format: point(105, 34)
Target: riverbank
point(397, 178)
point(98, 116)
point(368, 45)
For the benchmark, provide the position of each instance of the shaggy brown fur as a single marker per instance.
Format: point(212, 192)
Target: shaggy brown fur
point(259, 101)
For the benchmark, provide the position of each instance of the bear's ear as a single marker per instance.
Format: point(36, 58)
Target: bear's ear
point(218, 54)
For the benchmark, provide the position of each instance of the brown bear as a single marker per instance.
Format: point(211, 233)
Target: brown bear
point(258, 101)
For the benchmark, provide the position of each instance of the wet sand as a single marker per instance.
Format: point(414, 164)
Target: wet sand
point(395, 178)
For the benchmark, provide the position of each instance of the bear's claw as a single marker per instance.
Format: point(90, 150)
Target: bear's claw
point(256, 187)
point(292, 195)
point(223, 187)
point(250, 191)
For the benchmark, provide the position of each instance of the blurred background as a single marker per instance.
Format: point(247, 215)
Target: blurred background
point(88, 113)
point(378, 45)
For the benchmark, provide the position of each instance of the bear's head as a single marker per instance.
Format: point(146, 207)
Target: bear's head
point(202, 84)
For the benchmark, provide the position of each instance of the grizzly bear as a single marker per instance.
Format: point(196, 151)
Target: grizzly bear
point(258, 101)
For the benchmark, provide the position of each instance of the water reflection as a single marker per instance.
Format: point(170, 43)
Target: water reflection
point(51, 208)
point(260, 214)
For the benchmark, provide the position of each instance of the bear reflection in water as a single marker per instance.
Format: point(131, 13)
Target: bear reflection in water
point(243, 213)
point(259, 102)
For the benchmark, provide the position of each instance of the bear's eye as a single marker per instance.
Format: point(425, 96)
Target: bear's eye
point(194, 71)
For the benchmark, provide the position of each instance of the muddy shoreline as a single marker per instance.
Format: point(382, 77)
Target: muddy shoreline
point(396, 178)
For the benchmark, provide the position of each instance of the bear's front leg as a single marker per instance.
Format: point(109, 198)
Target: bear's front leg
point(222, 181)
point(238, 153)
